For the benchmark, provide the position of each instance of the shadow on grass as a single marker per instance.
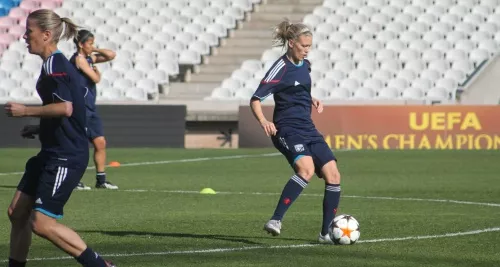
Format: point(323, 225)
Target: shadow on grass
point(230, 238)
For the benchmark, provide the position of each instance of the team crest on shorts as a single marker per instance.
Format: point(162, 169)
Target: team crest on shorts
point(299, 148)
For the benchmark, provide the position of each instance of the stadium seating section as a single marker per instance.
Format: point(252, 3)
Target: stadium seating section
point(363, 49)
point(152, 39)
point(387, 49)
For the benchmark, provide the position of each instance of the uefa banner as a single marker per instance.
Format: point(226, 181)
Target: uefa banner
point(402, 127)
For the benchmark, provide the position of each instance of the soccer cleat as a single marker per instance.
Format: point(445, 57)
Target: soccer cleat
point(106, 185)
point(109, 264)
point(273, 227)
point(325, 239)
point(82, 186)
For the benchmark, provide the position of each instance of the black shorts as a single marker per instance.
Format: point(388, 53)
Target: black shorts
point(51, 183)
point(94, 126)
point(295, 146)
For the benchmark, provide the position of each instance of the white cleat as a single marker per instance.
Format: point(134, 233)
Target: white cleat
point(325, 239)
point(82, 186)
point(273, 227)
point(106, 185)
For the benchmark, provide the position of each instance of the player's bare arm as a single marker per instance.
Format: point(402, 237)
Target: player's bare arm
point(268, 126)
point(62, 109)
point(102, 55)
point(83, 65)
point(317, 104)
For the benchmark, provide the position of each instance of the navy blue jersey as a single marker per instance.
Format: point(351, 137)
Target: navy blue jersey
point(63, 138)
point(88, 84)
point(291, 86)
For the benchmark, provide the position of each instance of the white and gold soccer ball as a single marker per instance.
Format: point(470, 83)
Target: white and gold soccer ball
point(344, 230)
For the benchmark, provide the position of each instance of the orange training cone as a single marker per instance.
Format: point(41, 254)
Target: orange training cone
point(114, 164)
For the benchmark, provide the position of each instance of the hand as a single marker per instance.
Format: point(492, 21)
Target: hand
point(268, 127)
point(318, 105)
point(29, 131)
point(15, 109)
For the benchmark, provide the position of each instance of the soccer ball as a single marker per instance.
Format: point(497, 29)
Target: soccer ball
point(344, 230)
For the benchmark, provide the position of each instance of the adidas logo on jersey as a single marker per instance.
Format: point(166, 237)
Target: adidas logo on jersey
point(38, 201)
point(296, 83)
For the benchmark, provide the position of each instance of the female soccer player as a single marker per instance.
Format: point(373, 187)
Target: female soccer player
point(52, 174)
point(84, 59)
point(292, 131)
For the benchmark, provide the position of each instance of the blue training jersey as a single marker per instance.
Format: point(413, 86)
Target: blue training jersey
point(291, 86)
point(88, 84)
point(63, 138)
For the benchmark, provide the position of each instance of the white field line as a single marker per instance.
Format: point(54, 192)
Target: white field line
point(182, 161)
point(173, 161)
point(321, 195)
point(222, 250)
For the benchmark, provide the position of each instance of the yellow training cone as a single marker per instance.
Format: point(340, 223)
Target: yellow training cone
point(207, 191)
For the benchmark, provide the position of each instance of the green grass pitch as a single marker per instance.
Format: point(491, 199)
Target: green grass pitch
point(158, 218)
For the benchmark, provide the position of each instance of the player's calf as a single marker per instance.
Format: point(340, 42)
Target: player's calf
point(331, 173)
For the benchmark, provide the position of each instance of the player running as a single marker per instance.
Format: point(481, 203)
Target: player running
point(52, 174)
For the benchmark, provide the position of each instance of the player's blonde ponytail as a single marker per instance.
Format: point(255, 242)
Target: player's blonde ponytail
point(285, 31)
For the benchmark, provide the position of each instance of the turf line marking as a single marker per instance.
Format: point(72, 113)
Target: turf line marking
point(321, 195)
point(222, 250)
point(174, 161)
point(303, 194)
point(182, 161)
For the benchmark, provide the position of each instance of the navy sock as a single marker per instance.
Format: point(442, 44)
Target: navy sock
point(291, 191)
point(330, 204)
point(100, 177)
point(14, 263)
point(89, 258)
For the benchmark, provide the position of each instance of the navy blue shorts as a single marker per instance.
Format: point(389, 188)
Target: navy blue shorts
point(94, 126)
point(51, 183)
point(295, 146)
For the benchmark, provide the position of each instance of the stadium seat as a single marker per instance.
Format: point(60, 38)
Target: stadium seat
point(412, 93)
point(389, 93)
point(437, 93)
point(340, 93)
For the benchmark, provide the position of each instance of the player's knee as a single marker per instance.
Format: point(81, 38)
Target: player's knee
point(333, 178)
point(17, 216)
point(10, 213)
point(306, 173)
point(100, 143)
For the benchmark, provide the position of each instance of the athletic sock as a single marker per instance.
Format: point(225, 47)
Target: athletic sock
point(90, 258)
point(330, 204)
point(290, 192)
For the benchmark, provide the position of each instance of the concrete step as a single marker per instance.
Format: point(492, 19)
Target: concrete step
point(278, 17)
point(260, 25)
point(287, 8)
point(190, 90)
point(229, 60)
point(209, 77)
point(258, 34)
point(242, 51)
point(248, 42)
point(221, 68)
